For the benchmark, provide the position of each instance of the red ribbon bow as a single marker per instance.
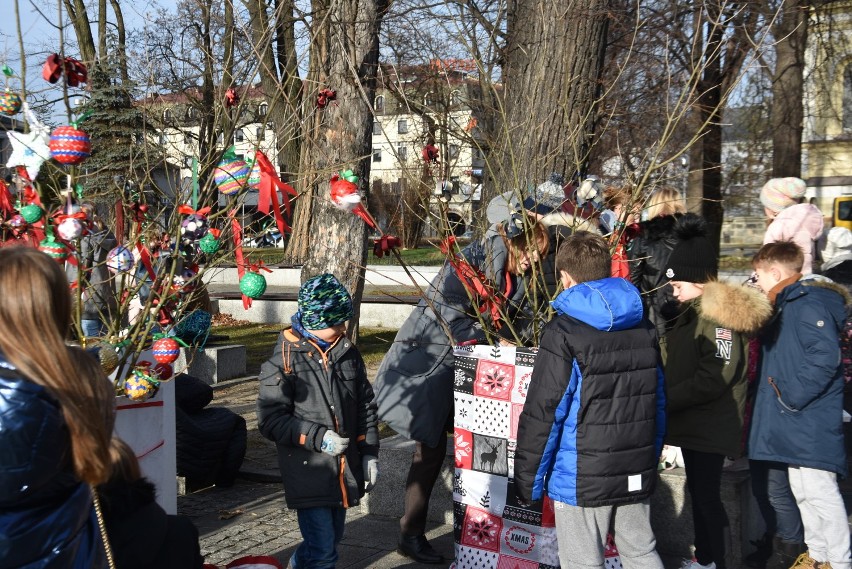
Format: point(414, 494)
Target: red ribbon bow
point(231, 98)
point(236, 231)
point(54, 66)
point(475, 282)
point(325, 96)
point(270, 185)
point(59, 217)
point(187, 210)
point(430, 154)
point(385, 244)
point(140, 211)
point(257, 267)
point(6, 206)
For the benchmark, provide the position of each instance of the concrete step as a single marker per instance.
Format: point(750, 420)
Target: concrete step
point(213, 364)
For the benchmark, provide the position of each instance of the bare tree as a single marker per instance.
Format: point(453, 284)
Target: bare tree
point(344, 57)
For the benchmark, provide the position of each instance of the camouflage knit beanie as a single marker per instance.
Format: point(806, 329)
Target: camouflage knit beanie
point(324, 302)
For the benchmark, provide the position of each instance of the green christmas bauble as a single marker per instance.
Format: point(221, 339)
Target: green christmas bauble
point(253, 285)
point(209, 244)
point(31, 213)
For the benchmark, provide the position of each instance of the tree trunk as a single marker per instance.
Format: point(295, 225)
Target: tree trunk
point(791, 33)
point(344, 57)
point(551, 72)
point(82, 29)
point(291, 86)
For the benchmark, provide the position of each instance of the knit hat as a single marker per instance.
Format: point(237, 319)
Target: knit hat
point(324, 302)
point(780, 193)
point(838, 247)
point(693, 258)
point(547, 197)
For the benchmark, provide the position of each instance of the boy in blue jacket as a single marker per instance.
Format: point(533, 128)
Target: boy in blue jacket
point(798, 409)
point(592, 427)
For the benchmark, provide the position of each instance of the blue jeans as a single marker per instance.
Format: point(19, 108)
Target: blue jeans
point(322, 530)
point(771, 489)
point(92, 328)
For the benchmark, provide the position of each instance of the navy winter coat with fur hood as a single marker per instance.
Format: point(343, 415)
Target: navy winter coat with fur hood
point(798, 409)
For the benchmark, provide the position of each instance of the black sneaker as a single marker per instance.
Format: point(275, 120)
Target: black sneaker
point(760, 556)
point(417, 547)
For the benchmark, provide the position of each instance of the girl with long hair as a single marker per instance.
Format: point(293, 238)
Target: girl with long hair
point(56, 417)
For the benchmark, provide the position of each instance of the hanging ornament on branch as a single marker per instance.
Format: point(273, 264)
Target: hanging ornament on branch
point(69, 144)
point(231, 175)
point(345, 196)
point(29, 150)
point(10, 102)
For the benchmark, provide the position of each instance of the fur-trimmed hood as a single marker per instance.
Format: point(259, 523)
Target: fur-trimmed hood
point(658, 228)
point(575, 222)
point(739, 308)
point(823, 282)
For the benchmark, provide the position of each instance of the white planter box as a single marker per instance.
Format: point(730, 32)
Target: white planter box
point(149, 428)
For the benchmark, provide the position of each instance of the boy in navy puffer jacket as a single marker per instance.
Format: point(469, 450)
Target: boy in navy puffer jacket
point(593, 423)
point(798, 409)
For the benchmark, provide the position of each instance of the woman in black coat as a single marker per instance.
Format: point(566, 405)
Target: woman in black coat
point(141, 534)
point(648, 254)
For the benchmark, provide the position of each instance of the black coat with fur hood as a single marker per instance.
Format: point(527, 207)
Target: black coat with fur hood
point(705, 359)
point(648, 254)
point(141, 534)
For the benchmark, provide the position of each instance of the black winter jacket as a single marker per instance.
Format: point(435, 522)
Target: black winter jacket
point(592, 425)
point(304, 392)
point(140, 532)
point(648, 255)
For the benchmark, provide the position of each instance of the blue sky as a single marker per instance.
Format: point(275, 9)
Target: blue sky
point(41, 37)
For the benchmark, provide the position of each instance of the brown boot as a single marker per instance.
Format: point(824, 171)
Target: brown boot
point(804, 561)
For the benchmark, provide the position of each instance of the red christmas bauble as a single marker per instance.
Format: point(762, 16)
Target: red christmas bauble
point(165, 350)
point(69, 145)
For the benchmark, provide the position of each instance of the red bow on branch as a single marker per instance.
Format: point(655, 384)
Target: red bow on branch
point(430, 154)
point(55, 66)
point(270, 185)
point(325, 96)
point(59, 217)
point(231, 98)
point(30, 195)
point(6, 206)
point(475, 282)
point(237, 232)
point(257, 267)
point(139, 211)
point(385, 244)
point(187, 210)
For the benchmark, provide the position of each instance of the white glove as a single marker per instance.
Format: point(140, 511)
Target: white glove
point(333, 444)
point(370, 464)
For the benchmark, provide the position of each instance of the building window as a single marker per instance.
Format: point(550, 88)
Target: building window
point(260, 134)
point(263, 109)
point(377, 128)
point(402, 152)
point(402, 126)
point(167, 115)
point(380, 104)
point(847, 98)
point(453, 151)
point(220, 138)
point(239, 136)
point(191, 113)
point(162, 138)
point(377, 154)
point(187, 162)
point(455, 99)
point(187, 138)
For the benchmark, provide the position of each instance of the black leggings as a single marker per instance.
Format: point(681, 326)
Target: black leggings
point(704, 481)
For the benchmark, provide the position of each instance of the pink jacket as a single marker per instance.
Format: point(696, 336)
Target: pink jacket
point(801, 224)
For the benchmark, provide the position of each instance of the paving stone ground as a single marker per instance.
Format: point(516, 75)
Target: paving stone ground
point(252, 518)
